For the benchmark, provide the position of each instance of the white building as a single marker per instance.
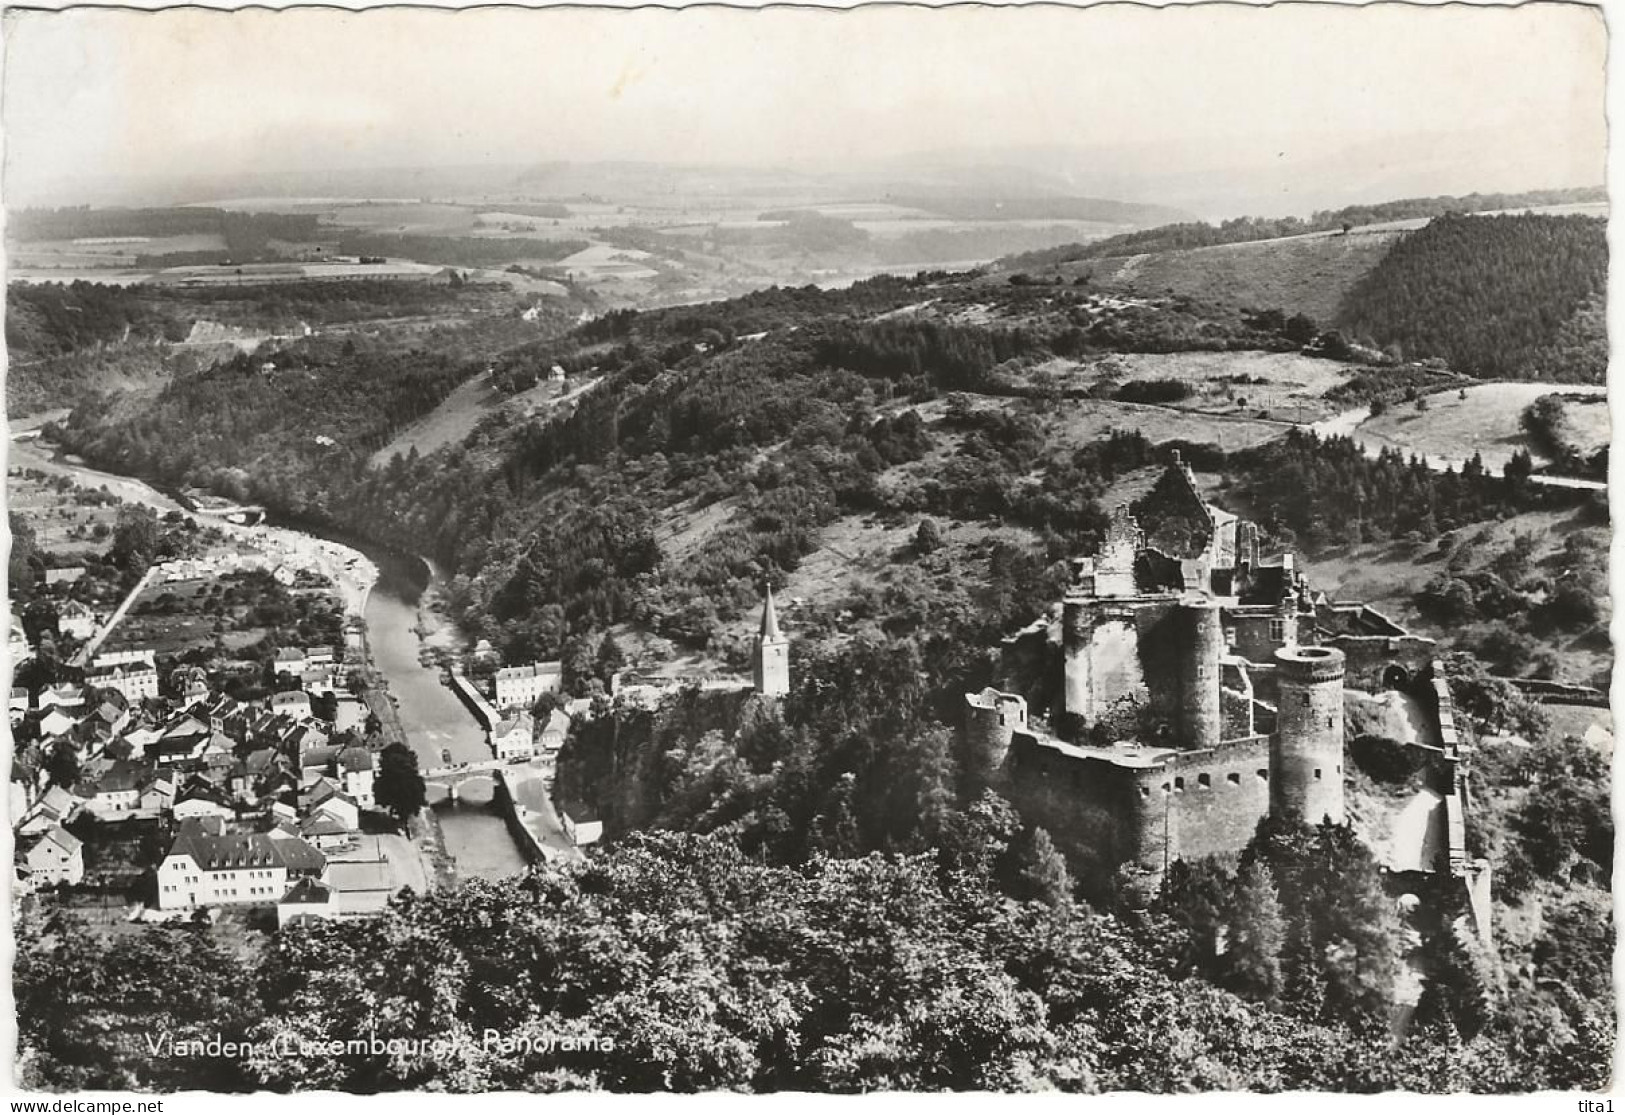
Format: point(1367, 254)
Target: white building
point(137, 681)
point(57, 857)
point(201, 801)
point(116, 795)
point(514, 737)
point(555, 730)
point(124, 658)
point(520, 686)
point(64, 695)
point(208, 867)
point(354, 767)
point(76, 620)
point(349, 888)
point(291, 702)
point(580, 824)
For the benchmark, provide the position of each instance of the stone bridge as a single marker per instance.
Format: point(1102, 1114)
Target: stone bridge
point(453, 776)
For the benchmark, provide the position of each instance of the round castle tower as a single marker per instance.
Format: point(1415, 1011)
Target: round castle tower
point(991, 720)
point(1306, 754)
point(1200, 719)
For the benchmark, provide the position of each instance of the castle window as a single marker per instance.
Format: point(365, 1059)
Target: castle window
point(1305, 700)
point(1263, 774)
point(1317, 774)
point(1204, 781)
point(1145, 791)
point(1179, 785)
point(1165, 787)
point(1278, 630)
point(1235, 779)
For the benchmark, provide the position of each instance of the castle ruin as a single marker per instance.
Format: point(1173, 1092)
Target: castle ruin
point(1201, 688)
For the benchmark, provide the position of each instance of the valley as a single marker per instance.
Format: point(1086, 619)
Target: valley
point(914, 466)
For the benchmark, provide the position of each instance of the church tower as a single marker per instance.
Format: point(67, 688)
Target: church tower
point(771, 656)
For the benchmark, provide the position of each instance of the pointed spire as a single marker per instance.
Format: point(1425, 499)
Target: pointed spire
point(770, 618)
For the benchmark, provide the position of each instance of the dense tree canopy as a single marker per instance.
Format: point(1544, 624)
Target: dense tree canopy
point(1490, 295)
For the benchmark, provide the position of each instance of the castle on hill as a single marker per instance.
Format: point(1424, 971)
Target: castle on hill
point(1200, 689)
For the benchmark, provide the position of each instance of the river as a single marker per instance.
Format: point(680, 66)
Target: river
point(435, 720)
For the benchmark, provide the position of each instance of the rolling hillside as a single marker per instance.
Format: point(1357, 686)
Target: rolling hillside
point(1309, 274)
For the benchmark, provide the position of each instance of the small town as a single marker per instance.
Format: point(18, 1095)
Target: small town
point(151, 790)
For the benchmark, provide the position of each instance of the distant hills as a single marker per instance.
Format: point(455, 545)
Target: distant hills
point(973, 191)
point(1201, 234)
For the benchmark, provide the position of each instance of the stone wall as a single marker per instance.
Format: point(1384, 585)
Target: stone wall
point(1088, 808)
point(1219, 797)
point(1367, 657)
point(1103, 815)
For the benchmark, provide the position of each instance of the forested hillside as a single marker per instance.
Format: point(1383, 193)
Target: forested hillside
point(1238, 230)
point(764, 421)
point(1493, 296)
point(679, 963)
point(66, 342)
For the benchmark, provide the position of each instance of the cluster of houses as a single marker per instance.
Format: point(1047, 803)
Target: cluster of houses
point(515, 732)
point(260, 796)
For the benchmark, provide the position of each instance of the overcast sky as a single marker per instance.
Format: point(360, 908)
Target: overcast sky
point(90, 94)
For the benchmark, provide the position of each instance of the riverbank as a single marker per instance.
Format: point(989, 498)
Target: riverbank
point(436, 630)
point(352, 573)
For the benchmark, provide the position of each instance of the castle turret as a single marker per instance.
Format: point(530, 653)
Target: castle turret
point(1199, 718)
point(771, 654)
point(1306, 755)
point(991, 721)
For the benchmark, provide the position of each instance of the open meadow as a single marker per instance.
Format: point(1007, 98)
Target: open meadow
point(1453, 425)
point(1299, 274)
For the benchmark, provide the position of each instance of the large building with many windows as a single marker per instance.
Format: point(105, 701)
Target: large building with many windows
point(522, 686)
point(207, 866)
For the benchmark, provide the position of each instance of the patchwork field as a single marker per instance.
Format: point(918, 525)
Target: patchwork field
point(89, 253)
point(409, 217)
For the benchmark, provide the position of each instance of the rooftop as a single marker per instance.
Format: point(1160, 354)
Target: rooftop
point(212, 849)
point(535, 669)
